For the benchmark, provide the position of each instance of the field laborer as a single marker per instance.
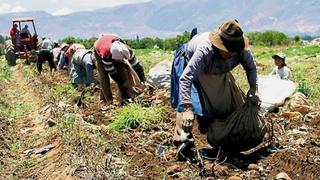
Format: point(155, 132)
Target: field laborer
point(15, 34)
point(211, 57)
point(46, 43)
point(81, 68)
point(111, 56)
point(281, 70)
point(25, 33)
point(67, 53)
point(45, 54)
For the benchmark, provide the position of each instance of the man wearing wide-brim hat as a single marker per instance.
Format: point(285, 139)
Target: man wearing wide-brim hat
point(211, 58)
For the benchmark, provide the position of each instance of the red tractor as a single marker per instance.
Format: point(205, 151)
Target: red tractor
point(23, 44)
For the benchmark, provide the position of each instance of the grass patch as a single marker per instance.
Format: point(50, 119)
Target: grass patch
point(133, 116)
point(26, 164)
point(16, 110)
point(15, 146)
point(303, 62)
point(150, 57)
point(65, 92)
point(5, 72)
point(29, 72)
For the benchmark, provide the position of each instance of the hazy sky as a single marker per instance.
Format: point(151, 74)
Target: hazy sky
point(59, 7)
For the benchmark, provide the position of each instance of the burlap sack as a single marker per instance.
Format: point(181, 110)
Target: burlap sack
point(240, 131)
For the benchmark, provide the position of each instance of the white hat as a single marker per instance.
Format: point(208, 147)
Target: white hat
point(279, 55)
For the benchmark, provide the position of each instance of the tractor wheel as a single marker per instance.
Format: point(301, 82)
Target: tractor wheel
point(11, 57)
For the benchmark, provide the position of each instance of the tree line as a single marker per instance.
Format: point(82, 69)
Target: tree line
point(266, 38)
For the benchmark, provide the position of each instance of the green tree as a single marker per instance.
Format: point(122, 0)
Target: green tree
point(268, 38)
point(69, 40)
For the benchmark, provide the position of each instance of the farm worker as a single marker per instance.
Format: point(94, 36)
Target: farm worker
point(46, 43)
point(281, 70)
point(68, 51)
point(111, 57)
point(56, 51)
point(14, 33)
point(25, 33)
point(81, 68)
point(211, 57)
point(45, 54)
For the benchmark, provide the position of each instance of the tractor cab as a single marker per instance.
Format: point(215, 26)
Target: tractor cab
point(26, 40)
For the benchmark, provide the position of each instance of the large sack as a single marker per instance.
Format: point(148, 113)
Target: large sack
point(242, 130)
point(274, 91)
point(160, 74)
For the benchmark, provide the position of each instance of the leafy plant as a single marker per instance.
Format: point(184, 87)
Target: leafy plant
point(65, 92)
point(15, 146)
point(135, 115)
point(4, 70)
point(26, 164)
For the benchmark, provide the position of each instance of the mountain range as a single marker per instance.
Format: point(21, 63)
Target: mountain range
point(166, 18)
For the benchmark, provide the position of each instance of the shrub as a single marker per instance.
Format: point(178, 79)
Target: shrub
point(268, 38)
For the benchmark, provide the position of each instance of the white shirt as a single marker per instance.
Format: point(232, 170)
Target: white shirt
point(120, 51)
point(282, 73)
point(46, 44)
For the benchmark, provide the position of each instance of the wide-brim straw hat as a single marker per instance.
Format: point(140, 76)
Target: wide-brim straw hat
point(229, 37)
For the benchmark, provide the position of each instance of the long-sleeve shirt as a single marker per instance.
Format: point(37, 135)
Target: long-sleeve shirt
point(26, 31)
point(111, 49)
point(206, 59)
point(62, 60)
point(282, 73)
point(13, 31)
point(46, 44)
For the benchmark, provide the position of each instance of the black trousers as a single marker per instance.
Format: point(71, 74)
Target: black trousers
point(45, 55)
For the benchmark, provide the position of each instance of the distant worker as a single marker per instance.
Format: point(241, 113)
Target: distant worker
point(46, 43)
point(14, 34)
point(81, 68)
point(65, 58)
point(112, 55)
point(25, 33)
point(45, 54)
point(281, 70)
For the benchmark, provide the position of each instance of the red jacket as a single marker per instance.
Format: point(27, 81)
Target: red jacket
point(103, 45)
point(13, 31)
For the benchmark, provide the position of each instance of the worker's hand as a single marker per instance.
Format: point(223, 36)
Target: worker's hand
point(187, 120)
point(252, 95)
point(150, 88)
point(252, 92)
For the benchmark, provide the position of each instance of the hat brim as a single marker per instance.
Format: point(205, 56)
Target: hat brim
point(216, 40)
point(277, 56)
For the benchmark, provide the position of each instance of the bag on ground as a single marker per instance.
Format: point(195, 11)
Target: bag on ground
point(240, 131)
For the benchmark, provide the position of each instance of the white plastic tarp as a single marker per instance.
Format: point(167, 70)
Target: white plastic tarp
point(160, 74)
point(274, 91)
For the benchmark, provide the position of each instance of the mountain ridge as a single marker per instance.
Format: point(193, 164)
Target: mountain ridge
point(163, 18)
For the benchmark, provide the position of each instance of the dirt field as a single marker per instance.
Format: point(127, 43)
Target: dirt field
point(83, 147)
